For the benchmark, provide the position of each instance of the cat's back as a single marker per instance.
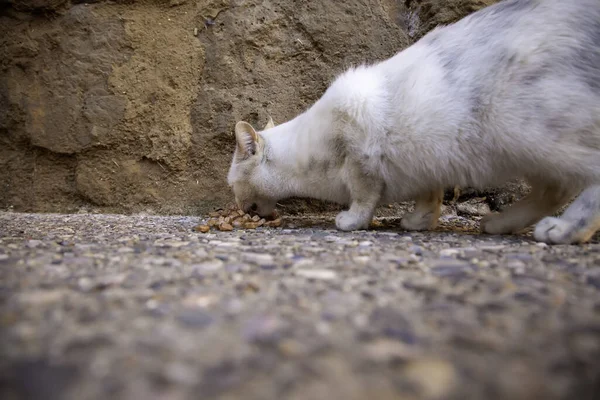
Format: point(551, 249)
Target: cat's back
point(521, 77)
point(527, 37)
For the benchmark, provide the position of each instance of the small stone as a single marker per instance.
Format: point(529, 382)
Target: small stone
point(492, 248)
point(41, 297)
point(33, 243)
point(214, 214)
point(291, 348)
point(261, 222)
point(256, 218)
point(517, 266)
point(208, 267)
point(194, 318)
point(477, 209)
point(85, 284)
point(250, 225)
point(449, 252)
point(416, 250)
point(451, 269)
point(258, 258)
point(195, 300)
point(248, 286)
point(434, 378)
point(263, 329)
point(175, 3)
point(180, 373)
point(318, 274)
point(388, 350)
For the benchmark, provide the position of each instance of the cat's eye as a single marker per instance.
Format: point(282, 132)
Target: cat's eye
point(254, 207)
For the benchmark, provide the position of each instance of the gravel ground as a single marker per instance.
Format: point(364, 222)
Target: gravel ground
point(142, 307)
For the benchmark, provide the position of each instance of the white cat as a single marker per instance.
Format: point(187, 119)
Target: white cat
point(511, 91)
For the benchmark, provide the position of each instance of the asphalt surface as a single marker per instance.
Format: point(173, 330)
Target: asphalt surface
point(143, 307)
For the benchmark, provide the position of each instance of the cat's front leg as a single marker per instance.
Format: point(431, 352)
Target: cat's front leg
point(426, 213)
point(365, 193)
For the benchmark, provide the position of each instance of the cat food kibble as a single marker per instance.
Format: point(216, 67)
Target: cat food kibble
point(230, 218)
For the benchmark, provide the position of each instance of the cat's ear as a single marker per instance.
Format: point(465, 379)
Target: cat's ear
point(269, 124)
point(246, 138)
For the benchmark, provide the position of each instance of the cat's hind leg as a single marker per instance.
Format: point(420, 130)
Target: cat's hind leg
point(577, 224)
point(543, 200)
point(426, 213)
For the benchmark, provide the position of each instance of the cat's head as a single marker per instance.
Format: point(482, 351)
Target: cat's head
point(249, 171)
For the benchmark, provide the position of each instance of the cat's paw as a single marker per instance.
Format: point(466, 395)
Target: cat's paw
point(495, 224)
point(347, 221)
point(553, 230)
point(418, 222)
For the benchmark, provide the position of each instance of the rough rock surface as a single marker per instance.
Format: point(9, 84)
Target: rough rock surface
point(129, 106)
point(142, 307)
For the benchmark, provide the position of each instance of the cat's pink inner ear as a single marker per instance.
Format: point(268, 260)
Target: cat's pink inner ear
point(247, 138)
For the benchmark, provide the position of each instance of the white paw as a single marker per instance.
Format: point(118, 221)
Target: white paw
point(494, 224)
point(418, 222)
point(346, 221)
point(557, 231)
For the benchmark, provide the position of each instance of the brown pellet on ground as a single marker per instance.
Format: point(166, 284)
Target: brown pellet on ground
point(225, 227)
point(231, 217)
point(202, 228)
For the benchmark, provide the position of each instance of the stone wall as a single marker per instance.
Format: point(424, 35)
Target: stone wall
point(129, 106)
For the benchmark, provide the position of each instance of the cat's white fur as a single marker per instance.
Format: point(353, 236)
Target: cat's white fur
point(511, 91)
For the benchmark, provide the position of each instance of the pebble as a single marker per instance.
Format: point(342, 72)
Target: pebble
point(291, 348)
point(194, 318)
point(181, 374)
point(451, 269)
point(492, 248)
point(207, 267)
point(258, 258)
point(517, 266)
point(416, 250)
point(85, 284)
point(449, 252)
point(33, 243)
point(303, 263)
point(40, 298)
point(263, 329)
point(387, 350)
point(317, 274)
point(477, 209)
point(435, 378)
